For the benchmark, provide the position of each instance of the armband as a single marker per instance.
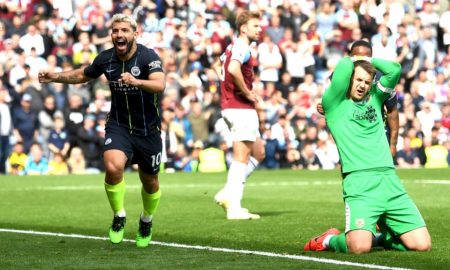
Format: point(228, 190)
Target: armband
point(384, 89)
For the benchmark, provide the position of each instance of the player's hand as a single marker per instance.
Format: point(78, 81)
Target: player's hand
point(251, 96)
point(128, 79)
point(44, 76)
point(320, 108)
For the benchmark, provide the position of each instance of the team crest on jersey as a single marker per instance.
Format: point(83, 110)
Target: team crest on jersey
point(359, 222)
point(135, 71)
point(370, 114)
point(154, 64)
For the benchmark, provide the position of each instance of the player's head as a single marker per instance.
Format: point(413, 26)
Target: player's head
point(248, 24)
point(361, 80)
point(361, 48)
point(123, 33)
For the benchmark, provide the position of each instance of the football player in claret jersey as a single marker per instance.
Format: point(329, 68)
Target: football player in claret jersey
point(238, 103)
point(371, 188)
point(136, 80)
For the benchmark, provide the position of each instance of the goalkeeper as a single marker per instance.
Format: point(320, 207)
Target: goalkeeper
point(372, 190)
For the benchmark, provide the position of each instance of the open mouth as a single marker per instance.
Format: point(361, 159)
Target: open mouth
point(121, 44)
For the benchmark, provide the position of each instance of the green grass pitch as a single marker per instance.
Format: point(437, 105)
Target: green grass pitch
point(61, 223)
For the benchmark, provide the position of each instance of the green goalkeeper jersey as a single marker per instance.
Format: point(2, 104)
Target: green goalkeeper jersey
point(357, 127)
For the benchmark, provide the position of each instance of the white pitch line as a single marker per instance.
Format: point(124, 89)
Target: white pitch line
point(175, 186)
point(215, 249)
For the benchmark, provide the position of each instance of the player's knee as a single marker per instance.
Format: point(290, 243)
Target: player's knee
point(113, 168)
point(359, 247)
point(422, 246)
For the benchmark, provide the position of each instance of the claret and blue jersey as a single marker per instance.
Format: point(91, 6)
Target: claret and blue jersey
point(131, 107)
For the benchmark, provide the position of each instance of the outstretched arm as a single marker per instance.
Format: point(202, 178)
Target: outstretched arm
point(73, 76)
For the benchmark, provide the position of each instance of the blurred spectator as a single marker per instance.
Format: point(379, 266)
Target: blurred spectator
point(211, 159)
point(308, 158)
point(293, 157)
point(17, 160)
point(327, 152)
point(199, 121)
point(32, 39)
point(76, 161)
point(169, 140)
point(347, 19)
point(58, 140)
point(436, 154)
point(326, 19)
point(5, 129)
point(275, 30)
point(90, 143)
point(58, 166)
point(46, 119)
point(270, 60)
point(26, 122)
point(408, 156)
point(74, 116)
point(37, 163)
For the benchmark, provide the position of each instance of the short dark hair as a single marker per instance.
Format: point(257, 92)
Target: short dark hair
point(362, 43)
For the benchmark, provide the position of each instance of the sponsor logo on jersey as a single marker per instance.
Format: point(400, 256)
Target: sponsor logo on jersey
point(117, 86)
point(370, 114)
point(108, 141)
point(154, 64)
point(135, 71)
point(359, 222)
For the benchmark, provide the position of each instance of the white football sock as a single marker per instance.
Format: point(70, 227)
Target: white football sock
point(235, 183)
point(251, 166)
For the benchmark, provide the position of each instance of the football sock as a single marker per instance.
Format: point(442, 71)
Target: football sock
point(391, 242)
point(251, 166)
point(116, 195)
point(150, 203)
point(235, 183)
point(338, 243)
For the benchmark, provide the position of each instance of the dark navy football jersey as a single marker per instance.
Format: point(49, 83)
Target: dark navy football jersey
point(131, 107)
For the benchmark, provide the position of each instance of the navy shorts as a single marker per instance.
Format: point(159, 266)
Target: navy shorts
point(142, 150)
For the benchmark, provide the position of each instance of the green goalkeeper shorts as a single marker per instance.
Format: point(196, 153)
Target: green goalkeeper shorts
point(375, 194)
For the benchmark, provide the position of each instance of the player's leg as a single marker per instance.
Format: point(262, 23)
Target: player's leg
point(117, 150)
point(362, 210)
point(148, 155)
point(115, 161)
point(258, 154)
point(243, 125)
point(418, 239)
point(151, 195)
point(403, 218)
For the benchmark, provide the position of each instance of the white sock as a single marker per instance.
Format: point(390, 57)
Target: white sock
point(146, 219)
point(326, 241)
point(251, 166)
point(235, 183)
point(121, 213)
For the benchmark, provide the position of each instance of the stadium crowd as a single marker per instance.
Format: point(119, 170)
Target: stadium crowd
point(59, 129)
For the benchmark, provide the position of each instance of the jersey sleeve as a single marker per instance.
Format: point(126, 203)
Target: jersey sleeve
point(391, 74)
point(154, 62)
point(240, 52)
point(94, 70)
point(337, 91)
point(391, 102)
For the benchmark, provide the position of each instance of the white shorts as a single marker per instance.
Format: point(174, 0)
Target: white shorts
point(243, 124)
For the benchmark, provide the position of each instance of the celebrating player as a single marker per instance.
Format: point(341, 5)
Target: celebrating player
point(136, 80)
